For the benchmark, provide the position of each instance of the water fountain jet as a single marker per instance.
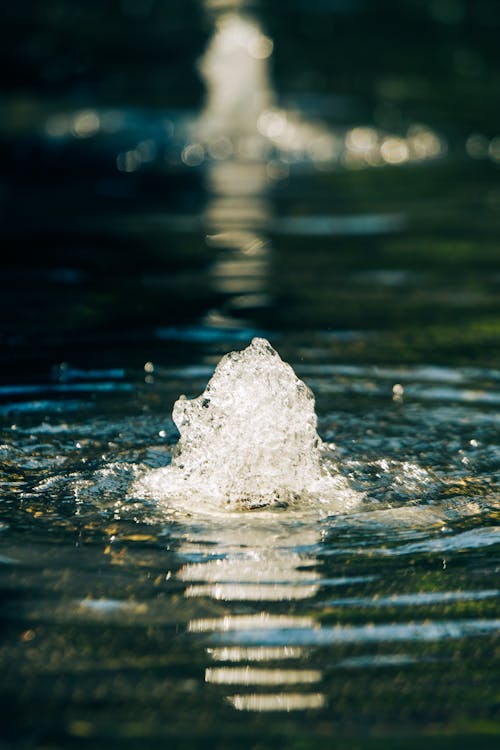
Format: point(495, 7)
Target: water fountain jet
point(250, 441)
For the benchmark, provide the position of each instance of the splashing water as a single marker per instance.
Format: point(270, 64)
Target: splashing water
point(250, 441)
point(236, 73)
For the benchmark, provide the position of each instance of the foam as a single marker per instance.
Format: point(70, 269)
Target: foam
point(249, 441)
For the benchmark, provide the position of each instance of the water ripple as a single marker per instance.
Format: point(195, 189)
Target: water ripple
point(342, 634)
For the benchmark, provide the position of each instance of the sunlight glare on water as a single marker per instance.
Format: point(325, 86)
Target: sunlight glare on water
point(277, 601)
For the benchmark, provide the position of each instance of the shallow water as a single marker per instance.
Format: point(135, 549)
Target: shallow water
point(148, 229)
point(130, 621)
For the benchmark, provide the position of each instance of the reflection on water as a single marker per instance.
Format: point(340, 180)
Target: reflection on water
point(238, 83)
point(254, 654)
point(253, 676)
point(242, 117)
point(280, 614)
point(266, 561)
point(247, 144)
point(272, 560)
point(223, 198)
point(235, 68)
point(277, 702)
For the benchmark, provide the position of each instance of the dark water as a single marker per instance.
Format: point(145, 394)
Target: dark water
point(348, 210)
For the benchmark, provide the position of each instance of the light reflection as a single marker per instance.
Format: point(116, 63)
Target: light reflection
point(424, 143)
point(246, 143)
point(494, 149)
point(425, 631)
point(236, 72)
point(242, 108)
point(375, 661)
point(277, 702)
point(368, 146)
point(261, 621)
point(257, 560)
point(252, 592)
point(394, 150)
point(147, 150)
point(193, 155)
point(257, 653)
point(57, 126)
point(86, 124)
point(260, 563)
point(412, 600)
point(477, 146)
point(362, 139)
point(255, 565)
point(259, 676)
point(128, 161)
point(110, 606)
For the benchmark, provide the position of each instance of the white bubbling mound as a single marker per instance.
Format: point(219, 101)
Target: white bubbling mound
point(248, 442)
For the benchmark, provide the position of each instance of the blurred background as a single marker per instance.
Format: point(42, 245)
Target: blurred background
point(182, 171)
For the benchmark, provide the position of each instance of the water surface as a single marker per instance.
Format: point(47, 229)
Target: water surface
point(350, 217)
point(125, 619)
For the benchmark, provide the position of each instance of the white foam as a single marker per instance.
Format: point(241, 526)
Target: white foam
point(249, 441)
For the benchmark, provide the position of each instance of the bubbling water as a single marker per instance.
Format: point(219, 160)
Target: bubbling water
point(250, 441)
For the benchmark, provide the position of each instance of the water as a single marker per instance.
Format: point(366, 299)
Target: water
point(128, 620)
point(350, 217)
point(249, 441)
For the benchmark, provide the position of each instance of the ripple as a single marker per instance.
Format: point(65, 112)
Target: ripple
point(277, 702)
point(92, 387)
point(256, 654)
point(375, 661)
point(45, 406)
point(110, 606)
point(334, 226)
point(461, 395)
point(473, 539)
point(258, 676)
point(239, 623)
point(342, 634)
point(412, 600)
point(253, 592)
point(207, 334)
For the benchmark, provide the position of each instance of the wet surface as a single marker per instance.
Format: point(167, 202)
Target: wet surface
point(129, 620)
point(351, 217)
